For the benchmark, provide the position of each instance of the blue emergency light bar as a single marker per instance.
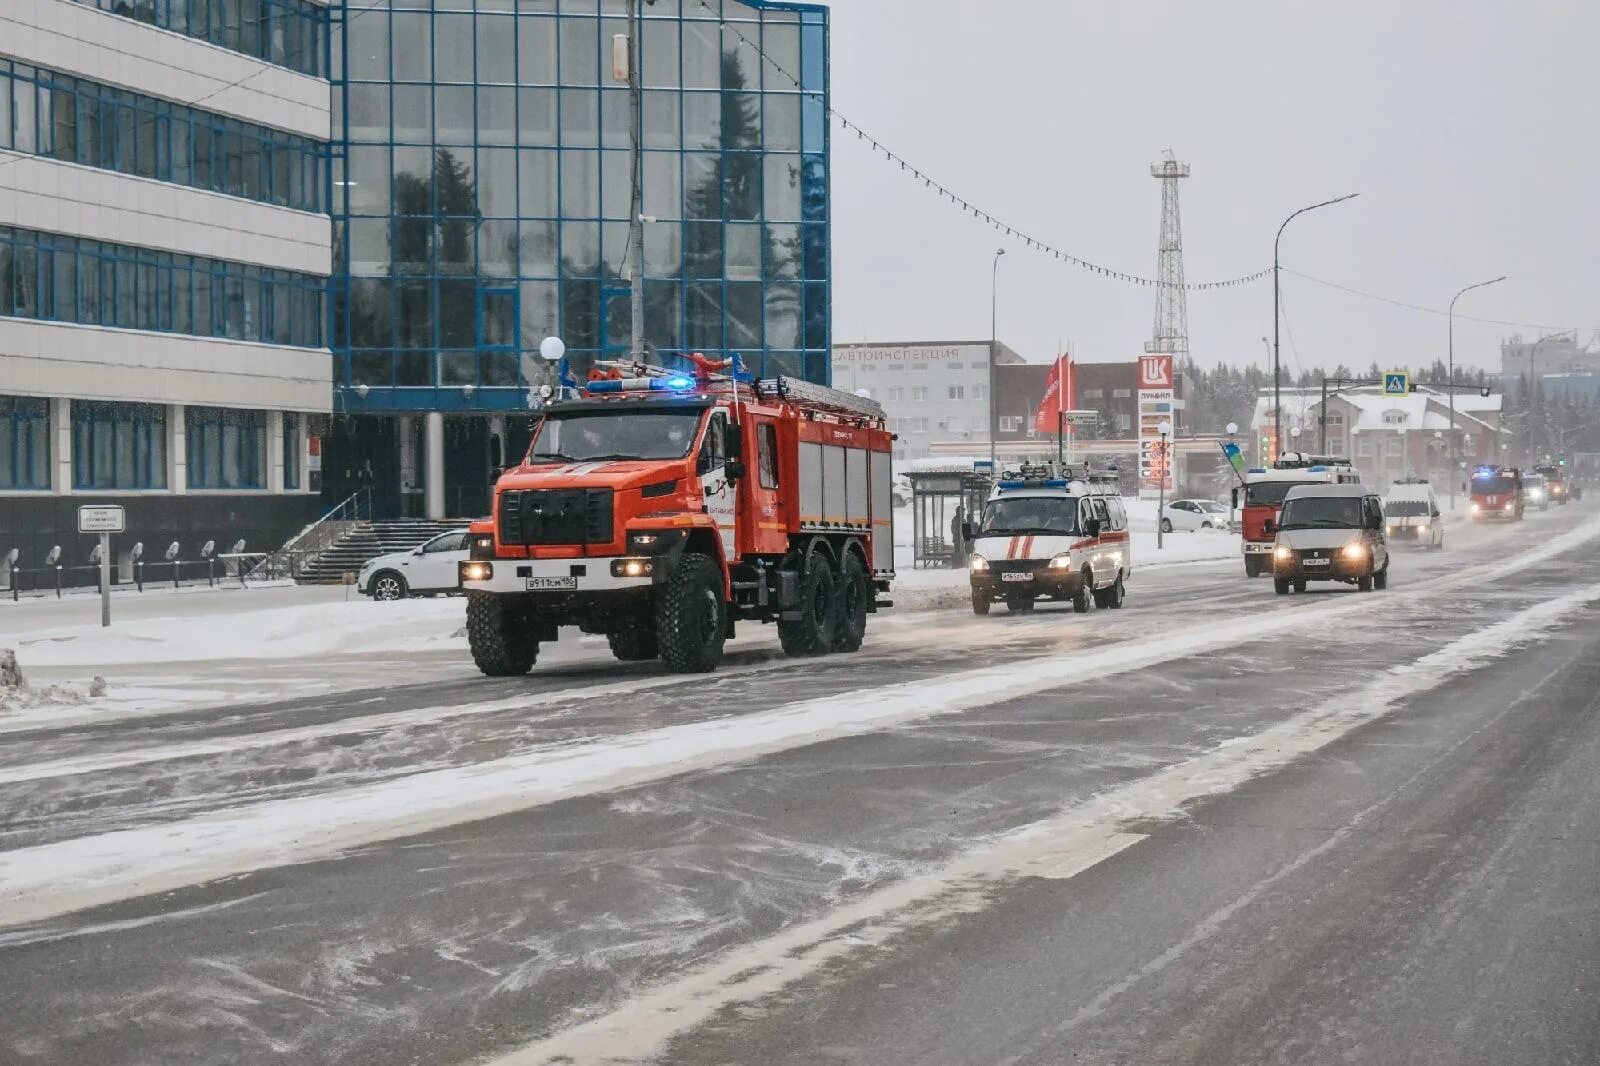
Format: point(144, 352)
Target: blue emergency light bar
point(1256, 470)
point(1011, 484)
point(675, 383)
point(1317, 469)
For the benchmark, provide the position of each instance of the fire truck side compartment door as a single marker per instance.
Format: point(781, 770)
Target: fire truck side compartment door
point(882, 474)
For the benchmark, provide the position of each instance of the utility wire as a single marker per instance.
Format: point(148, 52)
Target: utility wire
point(1427, 310)
point(967, 206)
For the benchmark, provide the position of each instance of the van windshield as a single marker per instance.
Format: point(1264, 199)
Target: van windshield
point(1322, 512)
point(1406, 508)
point(1041, 514)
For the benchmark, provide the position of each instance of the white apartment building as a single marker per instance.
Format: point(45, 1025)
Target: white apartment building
point(934, 391)
point(165, 246)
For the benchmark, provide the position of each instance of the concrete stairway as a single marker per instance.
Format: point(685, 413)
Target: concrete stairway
point(365, 541)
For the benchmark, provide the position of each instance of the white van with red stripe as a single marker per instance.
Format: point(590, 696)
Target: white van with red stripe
point(1049, 538)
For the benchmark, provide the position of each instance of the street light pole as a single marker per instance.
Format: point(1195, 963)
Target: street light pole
point(994, 350)
point(1277, 375)
point(1165, 468)
point(1454, 462)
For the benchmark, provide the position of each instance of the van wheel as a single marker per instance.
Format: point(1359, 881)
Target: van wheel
point(1299, 586)
point(854, 594)
point(1364, 583)
point(691, 618)
point(813, 632)
point(1080, 599)
point(1380, 580)
point(1280, 585)
point(1112, 597)
point(980, 603)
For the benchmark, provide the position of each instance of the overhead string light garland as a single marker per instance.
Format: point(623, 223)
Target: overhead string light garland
point(968, 207)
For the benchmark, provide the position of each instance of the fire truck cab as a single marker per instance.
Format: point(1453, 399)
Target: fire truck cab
point(659, 507)
point(1496, 494)
point(1045, 536)
point(1264, 492)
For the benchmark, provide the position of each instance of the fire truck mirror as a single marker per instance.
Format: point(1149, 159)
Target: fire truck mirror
point(1235, 499)
point(733, 442)
point(1269, 527)
point(734, 469)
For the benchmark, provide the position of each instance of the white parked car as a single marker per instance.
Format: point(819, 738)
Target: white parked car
point(1194, 514)
point(428, 570)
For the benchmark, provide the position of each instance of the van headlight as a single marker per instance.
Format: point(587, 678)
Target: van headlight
point(1476, 508)
point(977, 564)
point(1354, 552)
point(1061, 562)
point(1283, 553)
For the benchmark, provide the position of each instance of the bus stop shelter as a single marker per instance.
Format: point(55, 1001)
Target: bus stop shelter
point(941, 500)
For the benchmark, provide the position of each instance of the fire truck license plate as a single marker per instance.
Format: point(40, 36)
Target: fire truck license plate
point(542, 584)
point(1016, 577)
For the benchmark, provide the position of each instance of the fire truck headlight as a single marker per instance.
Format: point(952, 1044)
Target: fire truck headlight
point(978, 563)
point(1061, 562)
point(1476, 508)
point(477, 571)
point(1511, 507)
point(632, 568)
point(1354, 551)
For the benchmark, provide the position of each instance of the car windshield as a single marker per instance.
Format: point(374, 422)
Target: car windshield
point(1270, 493)
point(1493, 485)
point(1322, 512)
point(1405, 508)
point(588, 436)
point(1057, 515)
point(1211, 507)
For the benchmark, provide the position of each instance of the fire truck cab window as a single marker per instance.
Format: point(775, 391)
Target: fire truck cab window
point(767, 454)
point(711, 453)
point(633, 434)
point(1268, 493)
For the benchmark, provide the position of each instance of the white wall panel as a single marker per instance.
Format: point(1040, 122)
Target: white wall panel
point(91, 362)
point(44, 194)
point(77, 39)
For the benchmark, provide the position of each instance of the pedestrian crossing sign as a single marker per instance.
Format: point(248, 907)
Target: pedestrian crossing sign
point(1396, 383)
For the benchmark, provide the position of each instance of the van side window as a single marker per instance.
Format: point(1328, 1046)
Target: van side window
point(1102, 513)
point(1119, 514)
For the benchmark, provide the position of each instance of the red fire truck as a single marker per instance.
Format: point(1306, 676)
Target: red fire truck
point(1264, 490)
point(1496, 493)
point(660, 507)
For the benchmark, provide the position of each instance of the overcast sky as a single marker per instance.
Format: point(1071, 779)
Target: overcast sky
point(1469, 127)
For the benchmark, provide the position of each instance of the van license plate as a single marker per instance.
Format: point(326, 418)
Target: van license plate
point(546, 584)
point(1016, 577)
point(1315, 562)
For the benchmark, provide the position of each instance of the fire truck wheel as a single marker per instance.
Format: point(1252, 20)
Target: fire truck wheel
point(501, 643)
point(980, 603)
point(1280, 585)
point(813, 632)
point(1252, 566)
point(691, 619)
point(1080, 599)
point(853, 594)
point(634, 643)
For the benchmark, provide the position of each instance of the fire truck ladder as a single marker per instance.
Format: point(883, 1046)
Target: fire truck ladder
point(822, 397)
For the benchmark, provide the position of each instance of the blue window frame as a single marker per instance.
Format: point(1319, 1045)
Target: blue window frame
point(24, 444)
point(288, 33)
point(96, 283)
point(118, 445)
point(226, 448)
point(80, 121)
point(486, 150)
point(293, 452)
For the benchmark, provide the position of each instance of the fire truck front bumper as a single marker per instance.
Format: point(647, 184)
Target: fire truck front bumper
point(1258, 547)
point(558, 578)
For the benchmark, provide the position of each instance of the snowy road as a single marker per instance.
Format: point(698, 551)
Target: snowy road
point(1219, 826)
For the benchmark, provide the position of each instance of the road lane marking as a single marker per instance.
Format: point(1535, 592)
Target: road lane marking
point(1066, 844)
point(68, 875)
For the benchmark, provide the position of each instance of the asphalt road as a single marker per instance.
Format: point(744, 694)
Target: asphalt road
point(1219, 826)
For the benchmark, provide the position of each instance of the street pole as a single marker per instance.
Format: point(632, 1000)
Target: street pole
point(1161, 498)
point(1277, 373)
point(636, 164)
point(105, 579)
point(1454, 461)
point(994, 351)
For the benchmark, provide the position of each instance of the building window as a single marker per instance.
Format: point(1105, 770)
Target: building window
point(979, 391)
point(1394, 418)
point(1394, 447)
point(919, 392)
point(919, 366)
point(84, 122)
point(288, 33)
point(982, 364)
point(94, 283)
point(293, 450)
point(1012, 423)
point(1121, 394)
point(227, 448)
point(118, 445)
point(1093, 394)
point(1365, 448)
point(957, 392)
point(24, 444)
point(898, 392)
point(1335, 419)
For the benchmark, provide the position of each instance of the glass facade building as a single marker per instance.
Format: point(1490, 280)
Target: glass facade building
point(482, 190)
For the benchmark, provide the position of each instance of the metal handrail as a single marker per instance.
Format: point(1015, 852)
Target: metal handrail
point(319, 535)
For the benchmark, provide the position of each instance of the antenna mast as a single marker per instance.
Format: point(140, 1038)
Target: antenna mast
point(1171, 333)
